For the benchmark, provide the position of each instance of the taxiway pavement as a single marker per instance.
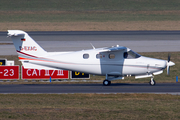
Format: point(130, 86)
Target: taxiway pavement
point(159, 88)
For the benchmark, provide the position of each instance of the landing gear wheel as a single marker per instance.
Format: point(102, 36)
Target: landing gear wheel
point(106, 82)
point(152, 82)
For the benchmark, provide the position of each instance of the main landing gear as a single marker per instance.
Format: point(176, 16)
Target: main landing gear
point(106, 82)
point(152, 82)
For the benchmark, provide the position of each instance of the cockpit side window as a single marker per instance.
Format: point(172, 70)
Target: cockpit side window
point(125, 54)
point(111, 56)
point(131, 55)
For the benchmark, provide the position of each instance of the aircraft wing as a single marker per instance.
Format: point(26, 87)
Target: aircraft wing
point(110, 49)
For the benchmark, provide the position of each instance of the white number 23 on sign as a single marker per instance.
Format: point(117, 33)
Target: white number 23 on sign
point(8, 72)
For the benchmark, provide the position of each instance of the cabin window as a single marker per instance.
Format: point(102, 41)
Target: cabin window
point(98, 56)
point(85, 56)
point(111, 56)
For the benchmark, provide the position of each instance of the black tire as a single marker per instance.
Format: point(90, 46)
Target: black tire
point(109, 83)
point(106, 82)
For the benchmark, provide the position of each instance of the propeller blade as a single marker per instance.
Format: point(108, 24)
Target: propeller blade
point(169, 63)
point(169, 57)
point(168, 69)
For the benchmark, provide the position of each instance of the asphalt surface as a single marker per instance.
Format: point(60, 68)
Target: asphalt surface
point(159, 88)
point(139, 41)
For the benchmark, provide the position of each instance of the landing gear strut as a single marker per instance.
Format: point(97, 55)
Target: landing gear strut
point(106, 82)
point(152, 82)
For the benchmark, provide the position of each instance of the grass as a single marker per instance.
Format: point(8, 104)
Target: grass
point(84, 5)
point(90, 14)
point(90, 26)
point(174, 71)
point(94, 10)
point(89, 106)
point(56, 16)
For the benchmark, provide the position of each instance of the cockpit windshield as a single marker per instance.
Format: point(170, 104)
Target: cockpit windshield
point(131, 55)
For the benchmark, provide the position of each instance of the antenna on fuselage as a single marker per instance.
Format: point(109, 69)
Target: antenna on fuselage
point(92, 46)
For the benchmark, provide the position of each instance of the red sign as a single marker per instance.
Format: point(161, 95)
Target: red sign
point(44, 74)
point(9, 72)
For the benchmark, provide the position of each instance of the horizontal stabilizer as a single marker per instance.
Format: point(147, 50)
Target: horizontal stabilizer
point(34, 66)
point(15, 33)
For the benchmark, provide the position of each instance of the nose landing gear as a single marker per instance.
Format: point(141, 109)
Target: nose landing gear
point(152, 81)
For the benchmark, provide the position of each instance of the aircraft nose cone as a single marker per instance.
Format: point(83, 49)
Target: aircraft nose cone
point(170, 63)
point(161, 63)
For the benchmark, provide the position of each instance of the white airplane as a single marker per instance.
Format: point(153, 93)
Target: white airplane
point(113, 62)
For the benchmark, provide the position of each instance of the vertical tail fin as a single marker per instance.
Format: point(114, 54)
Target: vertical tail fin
point(25, 46)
